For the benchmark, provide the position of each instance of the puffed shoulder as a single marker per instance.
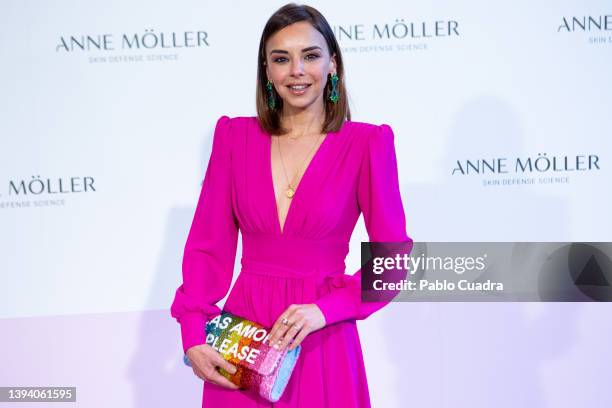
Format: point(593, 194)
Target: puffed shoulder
point(382, 134)
point(222, 128)
point(374, 133)
point(236, 124)
point(222, 140)
point(237, 120)
point(381, 144)
point(222, 122)
point(379, 140)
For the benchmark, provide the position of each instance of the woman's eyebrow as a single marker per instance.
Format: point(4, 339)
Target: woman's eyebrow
point(314, 47)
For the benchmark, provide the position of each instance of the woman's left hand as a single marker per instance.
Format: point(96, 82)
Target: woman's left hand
point(297, 322)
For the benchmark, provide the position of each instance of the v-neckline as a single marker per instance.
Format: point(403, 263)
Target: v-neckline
point(283, 229)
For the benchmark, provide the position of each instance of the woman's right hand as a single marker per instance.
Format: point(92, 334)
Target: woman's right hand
point(204, 362)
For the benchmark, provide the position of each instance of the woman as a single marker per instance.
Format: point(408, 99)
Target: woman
point(293, 180)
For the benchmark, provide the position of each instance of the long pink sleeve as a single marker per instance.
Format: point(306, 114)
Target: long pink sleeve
point(210, 250)
point(380, 201)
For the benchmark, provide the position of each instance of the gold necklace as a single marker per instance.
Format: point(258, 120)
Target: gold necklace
point(290, 192)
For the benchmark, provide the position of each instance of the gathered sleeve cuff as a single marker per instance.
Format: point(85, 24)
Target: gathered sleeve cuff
point(210, 249)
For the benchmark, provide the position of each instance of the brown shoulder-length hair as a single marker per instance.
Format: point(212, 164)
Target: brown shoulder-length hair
point(335, 113)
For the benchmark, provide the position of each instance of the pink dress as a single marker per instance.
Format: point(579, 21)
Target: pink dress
point(354, 170)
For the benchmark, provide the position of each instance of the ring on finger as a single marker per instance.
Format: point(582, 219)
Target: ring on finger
point(285, 322)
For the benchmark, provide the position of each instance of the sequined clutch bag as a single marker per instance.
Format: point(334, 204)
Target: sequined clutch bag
point(244, 343)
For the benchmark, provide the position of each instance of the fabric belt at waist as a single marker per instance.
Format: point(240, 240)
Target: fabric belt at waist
point(292, 257)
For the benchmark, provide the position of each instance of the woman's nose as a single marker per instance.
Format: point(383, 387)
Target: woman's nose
point(297, 67)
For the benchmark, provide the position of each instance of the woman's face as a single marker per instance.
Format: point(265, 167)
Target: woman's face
point(298, 55)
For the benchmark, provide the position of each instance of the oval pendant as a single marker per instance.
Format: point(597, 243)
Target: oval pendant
point(290, 192)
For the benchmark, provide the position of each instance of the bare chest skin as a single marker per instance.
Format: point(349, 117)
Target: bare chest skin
point(296, 156)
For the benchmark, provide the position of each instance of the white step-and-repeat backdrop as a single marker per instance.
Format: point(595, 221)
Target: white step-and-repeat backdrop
point(502, 113)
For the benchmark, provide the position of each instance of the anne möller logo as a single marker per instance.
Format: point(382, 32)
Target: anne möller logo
point(149, 39)
point(586, 23)
point(400, 29)
point(47, 192)
point(596, 27)
point(540, 169)
point(359, 37)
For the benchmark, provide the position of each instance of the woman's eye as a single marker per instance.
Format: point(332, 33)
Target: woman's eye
point(308, 57)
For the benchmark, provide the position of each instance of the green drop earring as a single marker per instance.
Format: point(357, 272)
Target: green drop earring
point(333, 96)
point(271, 98)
